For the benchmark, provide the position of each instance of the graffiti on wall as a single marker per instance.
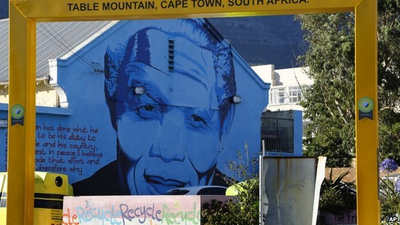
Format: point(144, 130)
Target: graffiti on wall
point(345, 217)
point(5, 151)
point(65, 149)
point(132, 210)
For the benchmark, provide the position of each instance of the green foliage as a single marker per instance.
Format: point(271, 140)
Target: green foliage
point(244, 209)
point(218, 212)
point(389, 198)
point(389, 142)
point(389, 78)
point(329, 103)
point(389, 190)
point(335, 196)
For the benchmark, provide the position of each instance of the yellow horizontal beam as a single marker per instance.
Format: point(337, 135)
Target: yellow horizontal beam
point(78, 10)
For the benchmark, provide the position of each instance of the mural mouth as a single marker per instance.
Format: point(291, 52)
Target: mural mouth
point(162, 185)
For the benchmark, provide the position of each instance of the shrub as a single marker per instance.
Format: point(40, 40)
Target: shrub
point(244, 209)
point(336, 195)
point(389, 191)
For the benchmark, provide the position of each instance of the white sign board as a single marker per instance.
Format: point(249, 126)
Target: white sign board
point(287, 190)
point(129, 210)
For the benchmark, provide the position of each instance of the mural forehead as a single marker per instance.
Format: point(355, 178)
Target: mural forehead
point(171, 53)
point(174, 88)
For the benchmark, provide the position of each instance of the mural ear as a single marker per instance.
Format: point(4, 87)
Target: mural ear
point(111, 66)
point(228, 120)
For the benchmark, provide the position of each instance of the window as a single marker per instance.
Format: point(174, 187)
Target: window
point(295, 94)
point(277, 131)
point(285, 95)
point(278, 96)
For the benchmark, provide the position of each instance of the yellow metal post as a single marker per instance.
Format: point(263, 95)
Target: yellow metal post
point(21, 119)
point(366, 99)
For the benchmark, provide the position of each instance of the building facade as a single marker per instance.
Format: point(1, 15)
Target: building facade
point(282, 123)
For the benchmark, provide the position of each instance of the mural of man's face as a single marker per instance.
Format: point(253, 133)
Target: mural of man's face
point(171, 132)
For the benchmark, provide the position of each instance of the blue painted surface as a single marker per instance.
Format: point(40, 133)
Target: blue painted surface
point(181, 131)
point(298, 133)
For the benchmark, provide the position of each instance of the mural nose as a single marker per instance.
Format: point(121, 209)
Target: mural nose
point(170, 143)
point(170, 153)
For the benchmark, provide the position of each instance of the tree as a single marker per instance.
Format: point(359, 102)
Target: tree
point(329, 102)
point(389, 78)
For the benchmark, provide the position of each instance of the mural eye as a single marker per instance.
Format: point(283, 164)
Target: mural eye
point(149, 108)
point(148, 111)
point(197, 121)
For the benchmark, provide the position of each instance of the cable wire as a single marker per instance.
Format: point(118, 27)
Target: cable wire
point(62, 43)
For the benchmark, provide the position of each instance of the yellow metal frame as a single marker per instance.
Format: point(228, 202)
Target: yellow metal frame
point(22, 66)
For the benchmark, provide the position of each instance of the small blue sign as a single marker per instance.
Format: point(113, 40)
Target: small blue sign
point(365, 108)
point(17, 114)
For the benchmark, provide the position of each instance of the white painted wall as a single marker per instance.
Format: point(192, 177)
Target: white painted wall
point(284, 81)
point(45, 95)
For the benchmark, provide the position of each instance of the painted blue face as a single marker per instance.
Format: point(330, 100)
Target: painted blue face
point(171, 133)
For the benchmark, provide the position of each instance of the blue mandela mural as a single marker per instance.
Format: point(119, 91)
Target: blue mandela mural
point(170, 99)
point(158, 112)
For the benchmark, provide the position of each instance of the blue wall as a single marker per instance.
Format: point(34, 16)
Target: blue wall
point(181, 132)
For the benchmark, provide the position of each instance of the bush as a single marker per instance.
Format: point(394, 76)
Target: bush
point(244, 209)
point(389, 191)
point(336, 195)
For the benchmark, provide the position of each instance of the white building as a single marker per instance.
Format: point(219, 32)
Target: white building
point(286, 86)
point(286, 89)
